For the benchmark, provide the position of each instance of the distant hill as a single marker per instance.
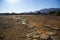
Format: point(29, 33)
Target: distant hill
point(44, 11)
point(48, 10)
point(39, 12)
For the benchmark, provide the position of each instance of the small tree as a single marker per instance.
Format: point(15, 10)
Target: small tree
point(52, 12)
point(38, 12)
point(57, 13)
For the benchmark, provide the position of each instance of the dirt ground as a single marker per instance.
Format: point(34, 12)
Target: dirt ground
point(29, 27)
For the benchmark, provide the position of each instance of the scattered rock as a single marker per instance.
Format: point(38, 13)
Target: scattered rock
point(44, 36)
point(49, 26)
point(33, 35)
point(51, 33)
point(28, 38)
point(24, 22)
point(34, 39)
point(16, 18)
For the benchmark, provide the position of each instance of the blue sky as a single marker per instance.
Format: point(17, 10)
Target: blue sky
point(27, 5)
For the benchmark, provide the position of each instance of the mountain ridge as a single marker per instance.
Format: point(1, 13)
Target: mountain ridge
point(47, 10)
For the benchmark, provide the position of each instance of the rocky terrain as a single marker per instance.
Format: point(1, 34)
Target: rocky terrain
point(29, 27)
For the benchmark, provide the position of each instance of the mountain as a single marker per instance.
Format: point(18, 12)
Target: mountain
point(39, 12)
point(48, 10)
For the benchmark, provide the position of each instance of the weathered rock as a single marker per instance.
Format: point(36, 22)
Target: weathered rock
point(50, 26)
point(51, 33)
point(55, 37)
point(34, 39)
point(33, 35)
point(24, 22)
point(44, 36)
point(28, 38)
point(15, 18)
